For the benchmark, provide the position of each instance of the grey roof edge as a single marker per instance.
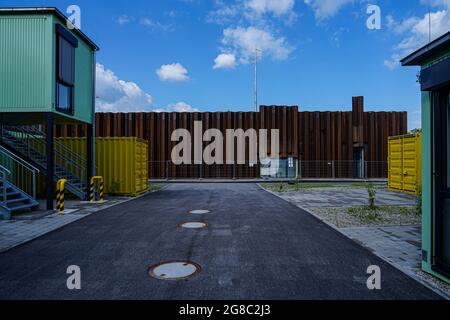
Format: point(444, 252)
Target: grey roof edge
point(426, 51)
point(52, 10)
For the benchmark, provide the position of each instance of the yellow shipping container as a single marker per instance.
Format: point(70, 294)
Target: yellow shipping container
point(405, 164)
point(122, 162)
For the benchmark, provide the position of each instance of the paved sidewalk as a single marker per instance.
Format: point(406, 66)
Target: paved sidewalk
point(400, 245)
point(26, 228)
point(346, 198)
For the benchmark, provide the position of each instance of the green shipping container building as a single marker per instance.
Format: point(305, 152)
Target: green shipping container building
point(35, 45)
point(47, 77)
point(434, 60)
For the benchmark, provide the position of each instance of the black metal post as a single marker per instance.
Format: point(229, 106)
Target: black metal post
point(89, 157)
point(50, 150)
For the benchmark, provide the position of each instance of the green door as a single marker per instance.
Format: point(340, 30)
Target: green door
point(441, 109)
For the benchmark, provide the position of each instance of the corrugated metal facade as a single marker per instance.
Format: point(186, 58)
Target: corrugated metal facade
point(122, 162)
point(28, 68)
point(307, 136)
point(405, 164)
point(25, 63)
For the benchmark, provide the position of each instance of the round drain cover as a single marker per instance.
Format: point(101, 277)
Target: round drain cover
point(199, 211)
point(174, 270)
point(193, 225)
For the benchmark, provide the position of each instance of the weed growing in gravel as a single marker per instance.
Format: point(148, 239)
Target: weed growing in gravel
point(372, 196)
point(365, 214)
point(419, 205)
point(281, 187)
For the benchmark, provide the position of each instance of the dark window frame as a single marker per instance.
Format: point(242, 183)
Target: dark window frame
point(61, 32)
point(441, 190)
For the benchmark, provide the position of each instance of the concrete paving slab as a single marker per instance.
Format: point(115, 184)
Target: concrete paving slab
point(347, 198)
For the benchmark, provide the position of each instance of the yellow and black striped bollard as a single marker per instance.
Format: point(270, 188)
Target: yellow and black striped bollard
point(101, 189)
point(61, 189)
point(91, 190)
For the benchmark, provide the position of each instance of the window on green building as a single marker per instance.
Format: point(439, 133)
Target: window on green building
point(65, 81)
point(448, 141)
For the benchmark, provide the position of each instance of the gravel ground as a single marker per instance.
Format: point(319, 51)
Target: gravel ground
point(383, 216)
point(435, 282)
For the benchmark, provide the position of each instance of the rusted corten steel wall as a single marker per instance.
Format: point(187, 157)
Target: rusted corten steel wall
point(307, 136)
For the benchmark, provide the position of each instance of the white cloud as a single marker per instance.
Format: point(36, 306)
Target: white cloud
point(277, 7)
point(225, 61)
point(153, 25)
point(393, 62)
point(173, 72)
point(124, 19)
point(253, 24)
point(255, 11)
point(244, 41)
point(116, 95)
point(416, 32)
point(178, 107)
point(326, 8)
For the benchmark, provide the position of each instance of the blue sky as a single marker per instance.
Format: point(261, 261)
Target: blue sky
point(180, 55)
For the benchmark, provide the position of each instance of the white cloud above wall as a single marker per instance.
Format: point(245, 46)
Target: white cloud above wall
point(178, 107)
point(173, 73)
point(252, 24)
point(116, 95)
point(244, 41)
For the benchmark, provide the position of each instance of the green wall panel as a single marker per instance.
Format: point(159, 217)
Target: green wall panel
point(25, 63)
point(28, 68)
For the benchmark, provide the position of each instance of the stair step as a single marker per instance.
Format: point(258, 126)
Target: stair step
point(22, 208)
point(13, 201)
point(14, 193)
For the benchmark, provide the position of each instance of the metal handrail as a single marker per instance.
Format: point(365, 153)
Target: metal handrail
point(23, 162)
point(38, 137)
point(21, 177)
point(67, 150)
point(65, 158)
point(5, 172)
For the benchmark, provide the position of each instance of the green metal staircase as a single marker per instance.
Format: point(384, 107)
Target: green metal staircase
point(29, 142)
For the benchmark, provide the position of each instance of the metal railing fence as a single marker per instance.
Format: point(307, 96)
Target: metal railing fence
point(21, 173)
point(301, 170)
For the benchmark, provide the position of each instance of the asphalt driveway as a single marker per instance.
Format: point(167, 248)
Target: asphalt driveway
point(256, 246)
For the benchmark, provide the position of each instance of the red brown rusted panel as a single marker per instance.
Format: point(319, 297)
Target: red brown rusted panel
point(309, 136)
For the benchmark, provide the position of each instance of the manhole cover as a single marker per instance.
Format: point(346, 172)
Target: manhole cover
point(199, 212)
point(193, 225)
point(174, 270)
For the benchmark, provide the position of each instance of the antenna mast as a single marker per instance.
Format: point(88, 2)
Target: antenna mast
point(429, 21)
point(256, 79)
